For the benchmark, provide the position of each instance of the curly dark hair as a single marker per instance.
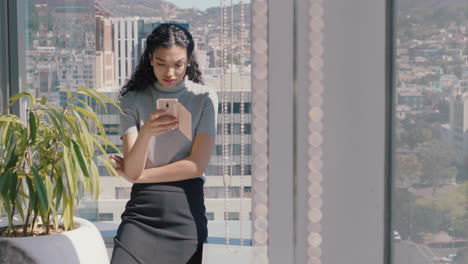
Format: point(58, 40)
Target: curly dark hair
point(165, 35)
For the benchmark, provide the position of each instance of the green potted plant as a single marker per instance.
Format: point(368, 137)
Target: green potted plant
point(47, 164)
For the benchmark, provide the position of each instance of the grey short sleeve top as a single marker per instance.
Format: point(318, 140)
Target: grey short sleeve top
point(201, 101)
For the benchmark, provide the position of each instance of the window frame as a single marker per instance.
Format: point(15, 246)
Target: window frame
point(12, 47)
point(354, 183)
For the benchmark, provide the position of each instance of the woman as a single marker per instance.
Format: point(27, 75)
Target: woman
point(164, 220)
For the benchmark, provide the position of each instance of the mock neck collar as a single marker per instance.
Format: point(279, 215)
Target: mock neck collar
point(179, 87)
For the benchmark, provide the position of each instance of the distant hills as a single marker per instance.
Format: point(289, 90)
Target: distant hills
point(198, 20)
point(430, 14)
point(168, 11)
point(146, 8)
point(425, 4)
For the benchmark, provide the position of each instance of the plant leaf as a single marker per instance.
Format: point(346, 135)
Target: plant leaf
point(49, 190)
point(90, 94)
point(1, 206)
point(108, 143)
point(13, 159)
point(108, 100)
point(13, 187)
point(69, 94)
point(56, 121)
point(99, 145)
point(89, 108)
point(9, 118)
point(32, 127)
point(32, 195)
point(10, 216)
point(68, 213)
point(59, 192)
point(69, 173)
point(85, 136)
point(41, 190)
point(95, 176)
point(4, 182)
point(55, 221)
point(13, 99)
point(19, 207)
point(92, 115)
point(65, 214)
point(80, 158)
point(72, 124)
point(108, 165)
point(16, 97)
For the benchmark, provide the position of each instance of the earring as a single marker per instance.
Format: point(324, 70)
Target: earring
point(151, 63)
point(188, 65)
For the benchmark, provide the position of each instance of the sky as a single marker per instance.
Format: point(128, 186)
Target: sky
point(202, 4)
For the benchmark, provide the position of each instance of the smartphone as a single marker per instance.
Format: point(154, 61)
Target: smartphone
point(168, 104)
point(177, 110)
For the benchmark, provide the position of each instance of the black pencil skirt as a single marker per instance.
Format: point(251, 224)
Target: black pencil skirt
point(162, 223)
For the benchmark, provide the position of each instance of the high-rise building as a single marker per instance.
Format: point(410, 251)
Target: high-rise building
point(74, 31)
point(42, 71)
point(126, 43)
point(130, 41)
point(105, 59)
point(61, 47)
point(214, 185)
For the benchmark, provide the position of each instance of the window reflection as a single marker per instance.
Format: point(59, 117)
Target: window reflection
point(77, 43)
point(430, 216)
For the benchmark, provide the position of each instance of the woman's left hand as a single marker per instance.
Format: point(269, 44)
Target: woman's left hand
point(118, 164)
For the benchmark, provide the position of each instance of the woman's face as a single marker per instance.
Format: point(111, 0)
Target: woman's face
point(169, 65)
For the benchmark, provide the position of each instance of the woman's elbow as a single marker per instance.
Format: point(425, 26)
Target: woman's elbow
point(198, 173)
point(132, 176)
point(200, 169)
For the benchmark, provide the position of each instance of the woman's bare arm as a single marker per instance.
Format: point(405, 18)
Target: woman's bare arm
point(190, 167)
point(136, 145)
point(135, 151)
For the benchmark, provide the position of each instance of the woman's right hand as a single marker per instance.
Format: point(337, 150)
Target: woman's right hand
point(158, 123)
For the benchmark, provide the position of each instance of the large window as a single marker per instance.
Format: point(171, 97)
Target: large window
point(430, 213)
point(96, 44)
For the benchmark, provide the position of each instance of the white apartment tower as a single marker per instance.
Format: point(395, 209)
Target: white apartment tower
point(130, 41)
point(126, 44)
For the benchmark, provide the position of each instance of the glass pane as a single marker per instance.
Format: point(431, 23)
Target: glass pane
point(97, 44)
point(430, 212)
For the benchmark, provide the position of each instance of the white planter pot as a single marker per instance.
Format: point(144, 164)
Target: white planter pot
point(83, 245)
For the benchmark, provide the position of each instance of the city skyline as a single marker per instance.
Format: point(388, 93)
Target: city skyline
point(201, 4)
point(113, 46)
